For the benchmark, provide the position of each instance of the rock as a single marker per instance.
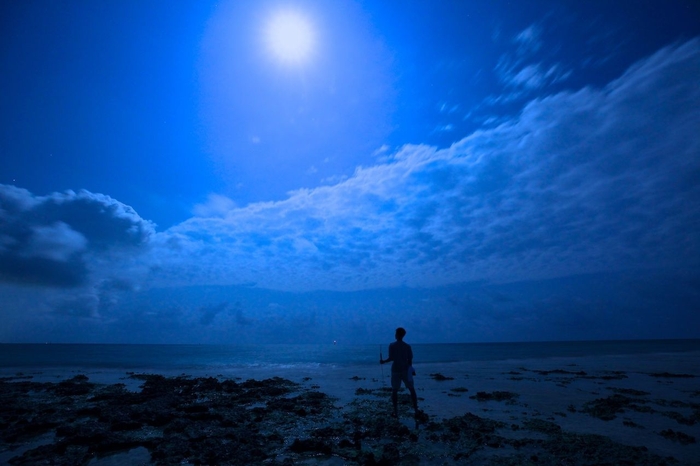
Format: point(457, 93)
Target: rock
point(495, 396)
point(440, 378)
point(311, 445)
point(668, 375)
point(538, 425)
point(608, 408)
point(680, 437)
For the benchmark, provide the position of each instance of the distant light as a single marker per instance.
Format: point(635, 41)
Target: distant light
point(290, 37)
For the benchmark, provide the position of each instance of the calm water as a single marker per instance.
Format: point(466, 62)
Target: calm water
point(198, 357)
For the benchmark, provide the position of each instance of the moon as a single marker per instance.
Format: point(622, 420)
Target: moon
point(290, 37)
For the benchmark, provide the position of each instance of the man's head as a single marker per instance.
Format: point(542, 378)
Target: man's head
point(400, 333)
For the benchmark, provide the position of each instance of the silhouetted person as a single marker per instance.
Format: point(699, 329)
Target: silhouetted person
point(401, 357)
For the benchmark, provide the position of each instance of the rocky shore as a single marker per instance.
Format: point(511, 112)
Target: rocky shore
point(219, 421)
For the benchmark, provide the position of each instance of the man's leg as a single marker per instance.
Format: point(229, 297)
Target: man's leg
point(395, 385)
point(414, 397)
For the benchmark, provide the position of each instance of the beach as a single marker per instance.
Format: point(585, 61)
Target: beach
point(620, 409)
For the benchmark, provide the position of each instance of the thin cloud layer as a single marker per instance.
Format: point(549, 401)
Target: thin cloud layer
point(51, 240)
point(587, 181)
point(597, 306)
point(520, 69)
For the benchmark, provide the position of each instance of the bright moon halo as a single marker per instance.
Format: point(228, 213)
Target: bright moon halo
point(290, 37)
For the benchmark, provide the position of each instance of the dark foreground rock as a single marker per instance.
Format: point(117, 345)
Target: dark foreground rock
point(495, 396)
point(203, 421)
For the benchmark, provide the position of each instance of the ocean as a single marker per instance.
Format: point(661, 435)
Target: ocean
point(199, 358)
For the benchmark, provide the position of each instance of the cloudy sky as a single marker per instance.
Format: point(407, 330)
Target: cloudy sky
point(309, 171)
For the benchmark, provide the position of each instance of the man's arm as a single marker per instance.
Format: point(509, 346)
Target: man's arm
point(391, 355)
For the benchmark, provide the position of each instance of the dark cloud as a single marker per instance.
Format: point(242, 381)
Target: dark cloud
point(241, 319)
point(47, 240)
point(79, 306)
point(208, 313)
point(117, 284)
point(583, 307)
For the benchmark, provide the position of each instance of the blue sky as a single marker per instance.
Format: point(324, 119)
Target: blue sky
point(473, 171)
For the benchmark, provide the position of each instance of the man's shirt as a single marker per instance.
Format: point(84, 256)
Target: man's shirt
point(401, 355)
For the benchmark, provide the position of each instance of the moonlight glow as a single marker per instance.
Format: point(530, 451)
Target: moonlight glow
point(290, 37)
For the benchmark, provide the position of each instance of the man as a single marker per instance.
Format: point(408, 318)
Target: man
point(401, 357)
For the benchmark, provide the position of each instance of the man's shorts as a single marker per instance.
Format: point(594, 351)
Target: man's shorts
point(405, 376)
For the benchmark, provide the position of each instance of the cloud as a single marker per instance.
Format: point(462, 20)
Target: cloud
point(383, 149)
point(524, 70)
point(208, 313)
point(57, 242)
point(117, 284)
point(593, 180)
point(241, 319)
point(446, 108)
point(582, 307)
point(51, 240)
point(534, 77)
point(529, 39)
point(529, 77)
point(444, 128)
point(86, 306)
point(576, 219)
point(216, 206)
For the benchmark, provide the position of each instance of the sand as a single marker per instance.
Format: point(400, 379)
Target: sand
point(640, 409)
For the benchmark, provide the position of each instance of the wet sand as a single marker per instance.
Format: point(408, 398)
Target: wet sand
point(602, 410)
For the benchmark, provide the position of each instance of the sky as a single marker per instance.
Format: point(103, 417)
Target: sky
point(278, 171)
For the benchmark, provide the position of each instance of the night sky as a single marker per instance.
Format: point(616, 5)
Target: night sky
point(309, 171)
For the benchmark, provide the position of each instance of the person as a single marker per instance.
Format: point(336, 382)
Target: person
point(401, 357)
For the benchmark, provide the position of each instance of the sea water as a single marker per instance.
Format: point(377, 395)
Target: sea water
point(199, 358)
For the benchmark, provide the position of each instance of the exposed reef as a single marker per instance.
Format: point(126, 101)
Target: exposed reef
point(183, 420)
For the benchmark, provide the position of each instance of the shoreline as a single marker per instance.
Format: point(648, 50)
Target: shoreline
point(645, 406)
